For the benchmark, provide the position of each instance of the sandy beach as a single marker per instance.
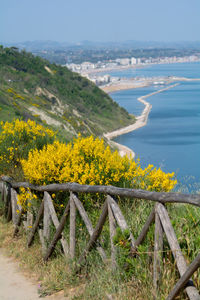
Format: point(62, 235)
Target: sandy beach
point(124, 85)
point(140, 122)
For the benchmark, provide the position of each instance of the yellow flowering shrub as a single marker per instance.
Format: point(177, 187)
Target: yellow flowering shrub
point(17, 138)
point(89, 161)
point(153, 179)
point(26, 198)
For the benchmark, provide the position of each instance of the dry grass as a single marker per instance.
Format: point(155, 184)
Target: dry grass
point(51, 277)
point(98, 281)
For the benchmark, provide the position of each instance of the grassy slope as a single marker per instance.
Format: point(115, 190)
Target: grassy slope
point(31, 82)
point(97, 280)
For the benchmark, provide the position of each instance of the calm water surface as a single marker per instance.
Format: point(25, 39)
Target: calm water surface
point(171, 138)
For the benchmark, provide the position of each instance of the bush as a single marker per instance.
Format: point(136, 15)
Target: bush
point(90, 161)
point(17, 138)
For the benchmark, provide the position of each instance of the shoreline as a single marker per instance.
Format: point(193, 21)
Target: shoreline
point(136, 66)
point(125, 84)
point(140, 122)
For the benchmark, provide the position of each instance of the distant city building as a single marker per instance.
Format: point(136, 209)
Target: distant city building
point(133, 61)
point(87, 65)
point(123, 61)
point(89, 70)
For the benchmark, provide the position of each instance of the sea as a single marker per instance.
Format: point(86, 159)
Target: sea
point(171, 138)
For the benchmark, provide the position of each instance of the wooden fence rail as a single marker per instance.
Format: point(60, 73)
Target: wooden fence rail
point(46, 217)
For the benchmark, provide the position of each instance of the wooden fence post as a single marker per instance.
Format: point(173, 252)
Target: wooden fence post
point(112, 227)
point(119, 217)
point(46, 221)
point(95, 236)
point(36, 224)
point(29, 222)
point(18, 223)
point(178, 256)
point(2, 191)
point(158, 248)
point(3, 197)
point(14, 205)
point(7, 200)
point(1, 186)
point(185, 278)
point(72, 227)
point(87, 222)
point(19, 213)
point(58, 233)
point(56, 223)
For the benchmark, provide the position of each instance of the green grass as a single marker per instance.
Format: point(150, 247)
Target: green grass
point(98, 280)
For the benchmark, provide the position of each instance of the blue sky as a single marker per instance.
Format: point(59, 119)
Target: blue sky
point(99, 20)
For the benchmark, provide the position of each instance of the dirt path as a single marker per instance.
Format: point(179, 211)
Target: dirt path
point(14, 285)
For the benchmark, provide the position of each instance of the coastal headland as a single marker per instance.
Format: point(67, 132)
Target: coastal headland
point(140, 122)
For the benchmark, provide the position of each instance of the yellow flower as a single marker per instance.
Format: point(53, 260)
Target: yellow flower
point(89, 161)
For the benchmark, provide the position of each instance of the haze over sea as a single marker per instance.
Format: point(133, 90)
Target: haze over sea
point(171, 138)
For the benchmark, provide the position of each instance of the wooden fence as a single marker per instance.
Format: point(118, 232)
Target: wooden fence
point(47, 215)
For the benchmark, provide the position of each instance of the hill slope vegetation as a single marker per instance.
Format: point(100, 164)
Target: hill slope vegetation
point(31, 87)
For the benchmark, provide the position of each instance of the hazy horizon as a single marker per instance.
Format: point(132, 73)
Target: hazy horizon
point(105, 21)
point(102, 42)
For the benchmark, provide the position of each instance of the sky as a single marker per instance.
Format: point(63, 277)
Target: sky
point(99, 20)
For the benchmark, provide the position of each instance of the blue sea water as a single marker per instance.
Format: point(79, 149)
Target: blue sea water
point(171, 138)
point(189, 70)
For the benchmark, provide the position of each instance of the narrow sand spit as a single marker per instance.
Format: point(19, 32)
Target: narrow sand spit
point(140, 122)
point(14, 285)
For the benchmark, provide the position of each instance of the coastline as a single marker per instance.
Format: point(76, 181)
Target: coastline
point(140, 122)
point(117, 68)
point(127, 67)
point(126, 84)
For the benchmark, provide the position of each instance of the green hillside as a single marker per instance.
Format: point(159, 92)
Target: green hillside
point(31, 87)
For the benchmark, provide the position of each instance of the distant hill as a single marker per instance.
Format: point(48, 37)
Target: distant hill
point(54, 45)
point(31, 87)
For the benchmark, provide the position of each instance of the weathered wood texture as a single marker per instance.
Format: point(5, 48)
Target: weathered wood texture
point(178, 256)
point(46, 220)
point(112, 227)
point(1, 186)
point(88, 223)
point(36, 224)
point(7, 201)
point(72, 235)
point(42, 241)
point(18, 223)
point(95, 235)
point(58, 233)
point(158, 248)
point(29, 221)
point(2, 192)
point(112, 210)
point(110, 190)
point(56, 222)
point(119, 217)
point(19, 211)
point(185, 278)
point(14, 206)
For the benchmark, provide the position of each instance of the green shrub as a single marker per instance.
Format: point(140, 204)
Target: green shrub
point(17, 138)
